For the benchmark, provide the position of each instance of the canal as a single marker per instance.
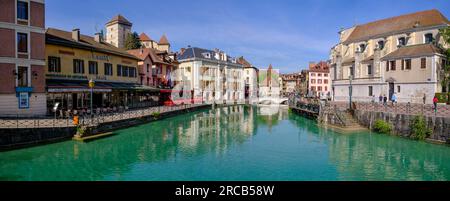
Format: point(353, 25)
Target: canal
point(231, 143)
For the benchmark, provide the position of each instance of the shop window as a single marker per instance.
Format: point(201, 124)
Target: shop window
point(108, 69)
point(119, 70)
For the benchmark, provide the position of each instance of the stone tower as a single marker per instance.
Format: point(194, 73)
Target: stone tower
point(117, 30)
point(164, 44)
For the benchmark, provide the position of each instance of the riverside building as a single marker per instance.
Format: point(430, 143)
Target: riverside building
point(22, 58)
point(250, 80)
point(73, 59)
point(398, 55)
point(211, 75)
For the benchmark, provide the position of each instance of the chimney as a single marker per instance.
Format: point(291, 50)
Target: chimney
point(76, 34)
point(98, 37)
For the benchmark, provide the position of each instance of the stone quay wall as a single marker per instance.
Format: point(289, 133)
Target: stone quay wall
point(15, 138)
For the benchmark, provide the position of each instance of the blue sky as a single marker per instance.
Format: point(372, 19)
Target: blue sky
point(285, 33)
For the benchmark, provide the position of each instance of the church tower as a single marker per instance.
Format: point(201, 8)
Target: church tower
point(117, 30)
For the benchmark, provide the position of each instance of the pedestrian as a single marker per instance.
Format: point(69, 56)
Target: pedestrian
point(394, 99)
point(374, 99)
point(380, 99)
point(424, 98)
point(384, 100)
point(435, 101)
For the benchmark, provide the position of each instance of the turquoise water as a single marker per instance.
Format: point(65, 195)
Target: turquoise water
point(234, 143)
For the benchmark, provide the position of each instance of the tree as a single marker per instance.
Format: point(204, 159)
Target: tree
point(132, 41)
point(445, 34)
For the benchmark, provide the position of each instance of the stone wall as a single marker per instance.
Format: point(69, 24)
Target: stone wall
point(402, 123)
point(15, 138)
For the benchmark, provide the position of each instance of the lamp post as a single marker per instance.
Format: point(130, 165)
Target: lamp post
point(350, 91)
point(91, 86)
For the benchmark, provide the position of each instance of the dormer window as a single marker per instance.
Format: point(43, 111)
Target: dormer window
point(380, 44)
point(362, 48)
point(428, 38)
point(401, 41)
point(207, 55)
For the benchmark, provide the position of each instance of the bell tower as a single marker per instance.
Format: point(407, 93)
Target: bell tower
point(117, 30)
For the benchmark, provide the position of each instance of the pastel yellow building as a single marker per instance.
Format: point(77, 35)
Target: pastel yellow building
point(74, 59)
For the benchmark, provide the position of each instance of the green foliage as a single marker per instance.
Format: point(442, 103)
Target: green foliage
point(443, 97)
point(156, 115)
point(81, 130)
point(445, 33)
point(382, 126)
point(132, 41)
point(419, 128)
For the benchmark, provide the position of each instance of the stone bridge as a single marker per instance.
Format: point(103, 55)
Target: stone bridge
point(272, 100)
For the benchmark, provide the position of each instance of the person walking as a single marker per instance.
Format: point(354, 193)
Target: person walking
point(384, 100)
point(394, 99)
point(424, 98)
point(380, 98)
point(435, 101)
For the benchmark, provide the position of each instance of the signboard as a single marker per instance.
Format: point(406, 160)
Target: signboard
point(24, 100)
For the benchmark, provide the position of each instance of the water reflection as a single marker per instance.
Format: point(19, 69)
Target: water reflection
point(237, 142)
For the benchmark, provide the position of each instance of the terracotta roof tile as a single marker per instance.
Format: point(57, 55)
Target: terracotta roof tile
point(119, 19)
point(397, 24)
point(144, 37)
point(163, 40)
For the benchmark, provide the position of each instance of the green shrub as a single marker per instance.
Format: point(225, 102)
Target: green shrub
point(419, 128)
point(442, 97)
point(156, 115)
point(81, 130)
point(381, 126)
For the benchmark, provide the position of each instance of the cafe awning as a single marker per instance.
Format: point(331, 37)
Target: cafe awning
point(59, 86)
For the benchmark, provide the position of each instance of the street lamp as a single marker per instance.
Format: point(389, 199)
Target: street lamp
point(91, 86)
point(350, 91)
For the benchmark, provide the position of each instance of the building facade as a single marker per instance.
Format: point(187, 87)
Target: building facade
point(319, 80)
point(250, 80)
point(22, 58)
point(398, 55)
point(291, 83)
point(269, 83)
point(117, 31)
point(74, 59)
point(211, 75)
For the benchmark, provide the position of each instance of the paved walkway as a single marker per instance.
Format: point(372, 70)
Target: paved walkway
point(104, 118)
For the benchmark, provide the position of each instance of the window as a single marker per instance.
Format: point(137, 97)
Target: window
point(428, 38)
point(78, 66)
point(352, 71)
point(362, 47)
point(131, 72)
point(393, 65)
point(381, 44)
point(148, 68)
point(325, 81)
point(22, 42)
point(398, 89)
point(369, 69)
point(313, 88)
point(387, 66)
point(370, 91)
point(22, 76)
point(148, 81)
point(108, 69)
point(22, 10)
point(119, 70)
point(319, 75)
point(325, 75)
point(401, 41)
point(313, 81)
point(93, 67)
point(408, 64)
point(423, 63)
point(319, 88)
point(313, 74)
point(403, 64)
point(319, 81)
point(326, 88)
point(124, 71)
point(54, 64)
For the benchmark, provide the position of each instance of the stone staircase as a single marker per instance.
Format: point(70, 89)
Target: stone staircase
point(348, 122)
